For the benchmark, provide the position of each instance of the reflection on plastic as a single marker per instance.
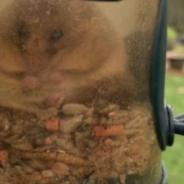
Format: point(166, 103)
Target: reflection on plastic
point(71, 109)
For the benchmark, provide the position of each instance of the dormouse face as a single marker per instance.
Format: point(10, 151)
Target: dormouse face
point(43, 36)
point(56, 50)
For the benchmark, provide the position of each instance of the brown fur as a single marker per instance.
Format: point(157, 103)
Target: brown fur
point(59, 51)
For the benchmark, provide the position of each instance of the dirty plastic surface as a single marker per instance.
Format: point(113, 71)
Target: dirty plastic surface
point(75, 92)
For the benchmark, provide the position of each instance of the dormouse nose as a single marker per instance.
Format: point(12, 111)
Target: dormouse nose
point(36, 44)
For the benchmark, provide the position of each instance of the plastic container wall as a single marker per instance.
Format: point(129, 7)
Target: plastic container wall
point(75, 92)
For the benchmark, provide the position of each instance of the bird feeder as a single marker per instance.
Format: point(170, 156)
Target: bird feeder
point(82, 92)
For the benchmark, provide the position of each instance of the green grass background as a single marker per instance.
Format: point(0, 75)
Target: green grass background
point(174, 156)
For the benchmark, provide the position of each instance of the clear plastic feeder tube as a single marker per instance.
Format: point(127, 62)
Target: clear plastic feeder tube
point(75, 102)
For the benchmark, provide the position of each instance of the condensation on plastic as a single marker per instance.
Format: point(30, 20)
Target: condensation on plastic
point(75, 92)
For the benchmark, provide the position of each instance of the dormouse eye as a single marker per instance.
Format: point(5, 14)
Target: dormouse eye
point(22, 32)
point(55, 35)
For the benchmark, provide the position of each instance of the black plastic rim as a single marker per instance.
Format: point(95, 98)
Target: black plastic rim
point(158, 76)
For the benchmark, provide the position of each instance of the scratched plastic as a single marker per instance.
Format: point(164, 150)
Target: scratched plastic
point(75, 92)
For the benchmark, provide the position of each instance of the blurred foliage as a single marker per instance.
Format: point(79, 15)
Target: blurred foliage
point(174, 92)
point(174, 156)
point(171, 33)
point(175, 40)
point(175, 14)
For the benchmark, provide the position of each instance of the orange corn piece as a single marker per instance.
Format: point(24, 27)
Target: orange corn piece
point(113, 130)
